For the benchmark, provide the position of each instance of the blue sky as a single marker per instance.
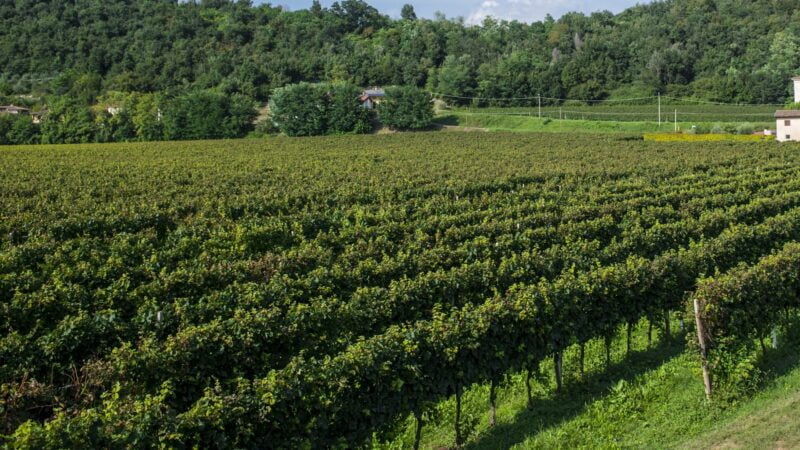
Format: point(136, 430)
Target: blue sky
point(475, 10)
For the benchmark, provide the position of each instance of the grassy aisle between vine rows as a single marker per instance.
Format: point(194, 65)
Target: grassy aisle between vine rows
point(650, 398)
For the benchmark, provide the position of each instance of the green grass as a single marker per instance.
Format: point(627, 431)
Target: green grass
point(768, 421)
point(499, 122)
point(650, 398)
point(640, 113)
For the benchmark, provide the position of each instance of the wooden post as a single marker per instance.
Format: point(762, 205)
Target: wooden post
point(775, 337)
point(458, 417)
point(628, 348)
point(533, 368)
point(492, 404)
point(701, 338)
point(583, 355)
point(418, 434)
point(558, 360)
point(528, 386)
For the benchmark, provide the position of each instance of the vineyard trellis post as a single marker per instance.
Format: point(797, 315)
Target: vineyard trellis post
point(459, 441)
point(418, 431)
point(775, 337)
point(701, 338)
point(558, 363)
point(493, 403)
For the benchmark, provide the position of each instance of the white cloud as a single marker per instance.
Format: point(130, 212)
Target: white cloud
point(534, 10)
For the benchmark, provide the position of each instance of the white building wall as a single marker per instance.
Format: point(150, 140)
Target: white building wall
point(796, 90)
point(789, 132)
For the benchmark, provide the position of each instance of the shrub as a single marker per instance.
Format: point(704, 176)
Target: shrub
point(406, 108)
point(745, 128)
point(718, 128)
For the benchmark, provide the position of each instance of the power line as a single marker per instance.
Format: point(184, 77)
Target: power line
point(620, 100)
point(708, 102)
point(542, 98)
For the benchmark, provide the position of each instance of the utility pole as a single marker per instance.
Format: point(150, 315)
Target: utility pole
point(676, 120)
point(540, 106)
point(659, 110)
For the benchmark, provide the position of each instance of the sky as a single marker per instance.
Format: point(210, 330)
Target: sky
point(474, 11)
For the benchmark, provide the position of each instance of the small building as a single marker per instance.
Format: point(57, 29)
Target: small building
point(37, 116)
point(15, 110)
point(788, 120)
point(788, 125)
point(371, 98)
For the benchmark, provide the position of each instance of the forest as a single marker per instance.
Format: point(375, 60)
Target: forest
point(221, 58)
point(724, 50)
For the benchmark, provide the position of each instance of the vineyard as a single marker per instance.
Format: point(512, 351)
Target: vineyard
point(612, 117)
point(317, 292)
point(626, 112)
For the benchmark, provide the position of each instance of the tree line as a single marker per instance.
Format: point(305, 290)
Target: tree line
point(210, 58)
point(302, 109)
point(722, 50)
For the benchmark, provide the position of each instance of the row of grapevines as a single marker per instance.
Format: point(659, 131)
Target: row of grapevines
point(741, 306)
point(344, 399)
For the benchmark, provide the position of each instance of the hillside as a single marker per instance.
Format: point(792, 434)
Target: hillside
point(724, 50)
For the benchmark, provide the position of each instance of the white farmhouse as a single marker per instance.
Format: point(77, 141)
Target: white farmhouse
point(788, 125)
point(796, 89)
point(788, 120)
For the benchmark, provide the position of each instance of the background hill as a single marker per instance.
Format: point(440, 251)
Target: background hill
point(722, 50)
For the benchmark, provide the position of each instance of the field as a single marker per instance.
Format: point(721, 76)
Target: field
point(703, 113)
point(345, 291)
point(613, 118)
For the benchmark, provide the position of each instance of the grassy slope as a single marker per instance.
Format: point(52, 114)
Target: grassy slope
point(770, 420)
point(649, 399)
point(522, 123)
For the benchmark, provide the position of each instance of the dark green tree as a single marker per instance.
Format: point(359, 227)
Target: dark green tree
point(68, 122)
point(408, 13)
point(406, 108)
point(300, 109)
point(207, 115)
point(316, 109)
point(23, 131)
point(345, 113)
